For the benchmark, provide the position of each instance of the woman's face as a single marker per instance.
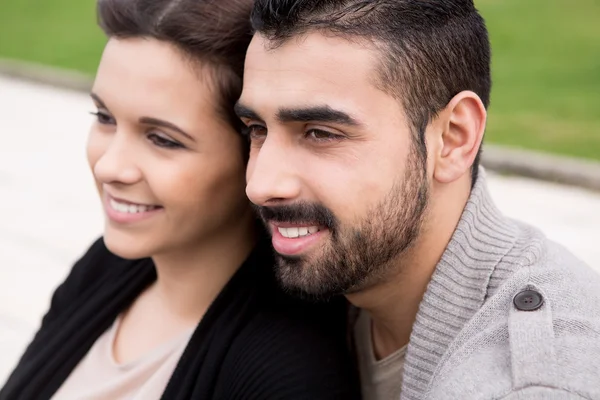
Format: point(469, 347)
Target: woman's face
point(169, 169)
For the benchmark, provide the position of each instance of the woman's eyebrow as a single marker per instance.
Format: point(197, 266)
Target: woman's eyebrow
point(98, 100)
point(165, 124)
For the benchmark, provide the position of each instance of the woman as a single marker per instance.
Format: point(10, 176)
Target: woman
point(177, 300)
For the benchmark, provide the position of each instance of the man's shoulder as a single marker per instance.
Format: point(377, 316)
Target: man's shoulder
point(540, 328)
point(569, 287)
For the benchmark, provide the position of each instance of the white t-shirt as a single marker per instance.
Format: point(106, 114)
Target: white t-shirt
point(380, 379)
point(98, 376)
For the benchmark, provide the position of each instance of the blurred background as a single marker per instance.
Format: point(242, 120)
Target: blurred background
point(545, 98)
point(546, 63)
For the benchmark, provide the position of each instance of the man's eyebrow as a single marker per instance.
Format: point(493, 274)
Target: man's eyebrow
point(317, 114)
point(243, 111)
point(165, 124)
point(302, 114)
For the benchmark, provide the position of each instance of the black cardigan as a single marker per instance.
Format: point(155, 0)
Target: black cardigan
point(254, 342)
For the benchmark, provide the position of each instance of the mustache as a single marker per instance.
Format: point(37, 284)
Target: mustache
point(298, 213)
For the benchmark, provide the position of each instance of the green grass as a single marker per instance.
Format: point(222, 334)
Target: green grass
point(61, 33)
point(546, 73)
point(546, 63)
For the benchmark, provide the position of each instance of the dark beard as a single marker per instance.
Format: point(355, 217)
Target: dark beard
point(356, 257)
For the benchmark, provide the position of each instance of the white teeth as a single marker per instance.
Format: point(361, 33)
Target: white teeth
point(129, 208)
point(292, 232)
point(295, 232)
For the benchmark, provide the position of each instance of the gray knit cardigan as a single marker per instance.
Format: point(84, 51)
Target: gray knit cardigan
point(474, 338)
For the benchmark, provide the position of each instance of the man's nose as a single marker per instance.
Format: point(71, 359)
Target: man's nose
point(272, 175)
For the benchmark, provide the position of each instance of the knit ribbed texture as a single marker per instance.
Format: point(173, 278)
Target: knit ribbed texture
point(469, 341)
point(458, 288)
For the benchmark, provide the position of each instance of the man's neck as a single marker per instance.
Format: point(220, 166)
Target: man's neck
point(394, 302)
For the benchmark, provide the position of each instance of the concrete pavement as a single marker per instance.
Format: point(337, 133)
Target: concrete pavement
point(51, 213)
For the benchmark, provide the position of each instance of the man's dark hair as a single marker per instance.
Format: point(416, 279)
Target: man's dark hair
point(215, 33)
point(431, 49)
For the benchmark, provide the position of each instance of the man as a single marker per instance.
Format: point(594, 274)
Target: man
point(366, 120)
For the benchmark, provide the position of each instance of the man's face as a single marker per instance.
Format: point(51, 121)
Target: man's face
point(334, 169)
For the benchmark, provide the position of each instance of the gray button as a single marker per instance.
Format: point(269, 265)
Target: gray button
point(528, 300)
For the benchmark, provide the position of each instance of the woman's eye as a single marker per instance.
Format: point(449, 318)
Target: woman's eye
point(161, 141)
point(104, 118)
point(320, 135)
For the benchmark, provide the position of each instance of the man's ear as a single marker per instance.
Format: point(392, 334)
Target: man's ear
point(462, 131)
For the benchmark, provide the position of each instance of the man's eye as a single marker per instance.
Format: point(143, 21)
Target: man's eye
point(103, 118)
point(255, 132)
point(320, 135)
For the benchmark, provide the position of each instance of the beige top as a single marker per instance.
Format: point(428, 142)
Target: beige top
point(98, 376)
point(380, 379)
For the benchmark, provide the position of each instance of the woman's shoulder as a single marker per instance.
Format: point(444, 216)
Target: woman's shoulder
point(86, 269)
point(95, 263)
point(95, 268)
point(292, 349)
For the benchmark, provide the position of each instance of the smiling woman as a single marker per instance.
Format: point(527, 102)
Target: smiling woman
point(157, 128)
point(178, 299)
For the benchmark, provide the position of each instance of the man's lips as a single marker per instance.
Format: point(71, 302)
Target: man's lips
point(295, 230)
point(293, 238)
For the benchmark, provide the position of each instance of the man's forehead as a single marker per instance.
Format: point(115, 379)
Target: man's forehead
point(313, 52)
point(311, 71)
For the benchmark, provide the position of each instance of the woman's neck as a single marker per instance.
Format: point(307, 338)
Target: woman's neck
point(190, 279)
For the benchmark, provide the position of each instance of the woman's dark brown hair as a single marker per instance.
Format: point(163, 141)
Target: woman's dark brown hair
point(214, 33)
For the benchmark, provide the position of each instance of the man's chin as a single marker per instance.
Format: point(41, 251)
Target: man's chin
point(302, 280)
